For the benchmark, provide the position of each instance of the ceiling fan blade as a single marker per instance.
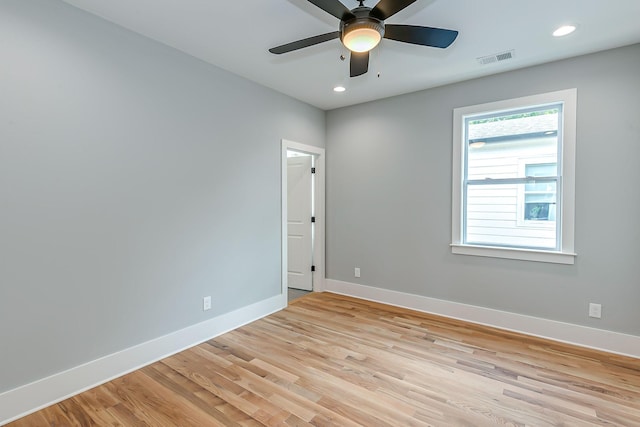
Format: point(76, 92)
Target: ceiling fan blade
point(387, 8)
point(425, 36)
point(359, 63)
point(289, 47)
point(333, 7)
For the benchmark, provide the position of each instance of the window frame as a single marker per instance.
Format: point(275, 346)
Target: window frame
point(566, 183)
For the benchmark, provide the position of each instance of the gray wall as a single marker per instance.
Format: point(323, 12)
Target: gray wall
point(389, 196)
point(134, 180)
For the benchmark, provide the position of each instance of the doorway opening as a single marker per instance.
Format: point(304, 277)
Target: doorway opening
point(302, 218)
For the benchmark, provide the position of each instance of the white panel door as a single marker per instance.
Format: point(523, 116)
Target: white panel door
point(299, 233)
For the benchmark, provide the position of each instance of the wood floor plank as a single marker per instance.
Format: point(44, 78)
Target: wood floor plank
point(331, 360)
point(190, 392)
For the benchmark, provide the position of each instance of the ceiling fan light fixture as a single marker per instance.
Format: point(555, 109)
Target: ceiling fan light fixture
point(362, 28)
point(362, 35)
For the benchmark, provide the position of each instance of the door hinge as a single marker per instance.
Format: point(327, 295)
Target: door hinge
point(313, 170)
point(313, 268)
point(313, 219)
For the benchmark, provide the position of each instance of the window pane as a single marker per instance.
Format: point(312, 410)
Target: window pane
point(540, 205)
point(541, 169)
point(540, 198)
point(540, 211)
point(499, 145)
point(494, 216)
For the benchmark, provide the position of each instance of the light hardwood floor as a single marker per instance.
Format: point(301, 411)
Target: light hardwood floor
point(333, 360)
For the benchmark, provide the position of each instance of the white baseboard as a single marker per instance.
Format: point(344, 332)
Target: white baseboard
point(32, 397)
point(612, 342)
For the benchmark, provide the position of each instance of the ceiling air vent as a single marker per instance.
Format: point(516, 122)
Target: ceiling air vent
point(497, 57)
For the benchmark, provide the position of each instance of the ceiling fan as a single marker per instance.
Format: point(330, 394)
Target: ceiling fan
point(362, 28)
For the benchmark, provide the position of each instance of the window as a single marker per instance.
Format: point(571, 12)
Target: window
point(540, 198)
point(513, 176)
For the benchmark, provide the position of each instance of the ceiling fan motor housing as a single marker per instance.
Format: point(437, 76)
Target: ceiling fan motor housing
point(361, 20)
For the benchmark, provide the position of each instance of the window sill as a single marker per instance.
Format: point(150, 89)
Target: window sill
point(512, 253)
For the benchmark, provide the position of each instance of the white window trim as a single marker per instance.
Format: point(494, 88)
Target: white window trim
point(566, 254)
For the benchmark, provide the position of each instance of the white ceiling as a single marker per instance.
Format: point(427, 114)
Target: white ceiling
point(236, 34)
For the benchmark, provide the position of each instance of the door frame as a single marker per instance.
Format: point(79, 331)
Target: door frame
point(318, 276)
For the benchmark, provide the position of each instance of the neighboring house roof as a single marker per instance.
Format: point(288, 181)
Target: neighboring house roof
point(520, 126)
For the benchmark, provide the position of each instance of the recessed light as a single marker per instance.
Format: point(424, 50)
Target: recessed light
point(339, 89)
point(564, 30)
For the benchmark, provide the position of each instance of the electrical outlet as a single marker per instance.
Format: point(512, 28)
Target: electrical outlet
point(356, 272)
point(206, 303)
point(595, 310)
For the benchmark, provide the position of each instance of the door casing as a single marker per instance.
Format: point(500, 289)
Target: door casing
point(319, 202)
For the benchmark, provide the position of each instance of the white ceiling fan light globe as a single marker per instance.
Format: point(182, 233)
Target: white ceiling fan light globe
point(362, 34)
point(361, 39)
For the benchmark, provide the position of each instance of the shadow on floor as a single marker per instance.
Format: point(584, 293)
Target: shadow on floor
point(296, 293)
